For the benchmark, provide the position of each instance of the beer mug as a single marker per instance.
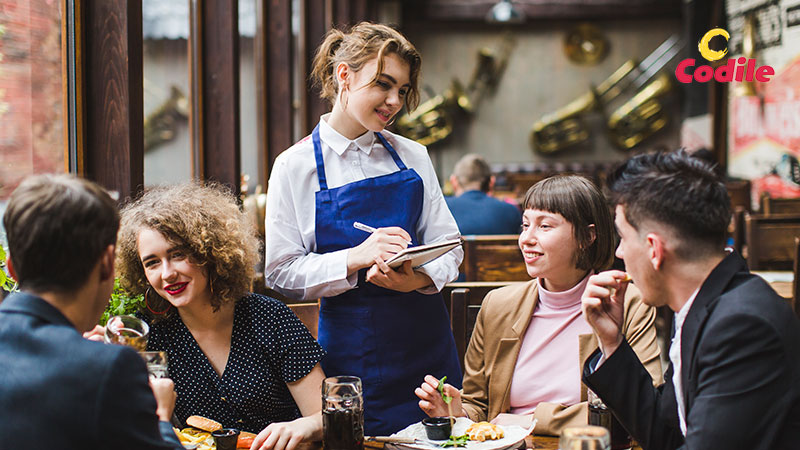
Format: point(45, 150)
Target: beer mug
point(588, 437)
point(342, 413)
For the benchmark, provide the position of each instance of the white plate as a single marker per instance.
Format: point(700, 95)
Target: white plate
point(512, 436)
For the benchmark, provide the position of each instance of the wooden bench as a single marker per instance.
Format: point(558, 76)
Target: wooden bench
point(493, 258)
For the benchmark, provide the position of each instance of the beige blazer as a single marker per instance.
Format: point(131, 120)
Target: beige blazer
point(493, 349)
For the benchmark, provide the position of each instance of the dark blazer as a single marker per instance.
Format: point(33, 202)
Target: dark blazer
point(478, 213)
point(740, 353)
point(59, 390)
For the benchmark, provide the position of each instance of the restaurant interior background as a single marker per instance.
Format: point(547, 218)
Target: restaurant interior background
point(133, 93)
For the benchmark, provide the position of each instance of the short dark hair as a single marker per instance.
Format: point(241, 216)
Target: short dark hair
point(58, 227)
point(582, 204)
point(472, 168)
point(678, 190)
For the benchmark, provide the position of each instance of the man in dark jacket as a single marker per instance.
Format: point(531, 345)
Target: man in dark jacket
point(57, 389)
point(734, 378)
point(475, 211)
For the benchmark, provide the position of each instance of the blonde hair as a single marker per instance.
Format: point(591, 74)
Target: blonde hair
point(206, 220)
point(354, 48)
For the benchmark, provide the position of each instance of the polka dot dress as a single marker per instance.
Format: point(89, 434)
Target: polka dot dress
point(269, 348)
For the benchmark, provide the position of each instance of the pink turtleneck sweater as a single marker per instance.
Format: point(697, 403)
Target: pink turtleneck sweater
point(548, 366)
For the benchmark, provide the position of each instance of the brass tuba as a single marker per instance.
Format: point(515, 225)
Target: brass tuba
point(641, 116)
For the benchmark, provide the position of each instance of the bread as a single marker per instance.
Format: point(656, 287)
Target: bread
point(482, 431)
point(203, 423)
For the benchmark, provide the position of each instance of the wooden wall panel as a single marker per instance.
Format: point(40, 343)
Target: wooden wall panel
point(112, 94)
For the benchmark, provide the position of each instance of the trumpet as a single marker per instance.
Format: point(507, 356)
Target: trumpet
point(641, 116)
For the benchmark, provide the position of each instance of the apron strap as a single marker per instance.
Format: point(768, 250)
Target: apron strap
point(392, 152)
point(323, 182)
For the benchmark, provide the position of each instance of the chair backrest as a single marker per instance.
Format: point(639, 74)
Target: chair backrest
point(308, 313)
point(465, 300)
point(769, 242)
point(493, 258)
point(740, 193)
point(771, 206)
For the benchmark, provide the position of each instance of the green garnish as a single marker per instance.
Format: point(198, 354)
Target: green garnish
point(456, 441)
point(445, 397)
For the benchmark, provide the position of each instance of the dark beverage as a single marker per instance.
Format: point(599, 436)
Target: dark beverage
point(620, 439)
point(343, 429)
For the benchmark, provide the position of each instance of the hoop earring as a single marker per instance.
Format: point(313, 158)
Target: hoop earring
point(147, 302)
point(391, 122)
point(343, 97)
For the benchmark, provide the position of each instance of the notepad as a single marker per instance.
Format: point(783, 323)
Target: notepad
point(423, 254)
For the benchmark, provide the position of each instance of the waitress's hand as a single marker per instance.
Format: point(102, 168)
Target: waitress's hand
point(430, 400)
point(383, 243)
point(404, 279)
point(603, 304)
point(288, 435)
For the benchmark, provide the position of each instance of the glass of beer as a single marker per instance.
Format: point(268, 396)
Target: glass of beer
point(600, 415)
point(587, 437)
point(342, 413)
point(127, 330)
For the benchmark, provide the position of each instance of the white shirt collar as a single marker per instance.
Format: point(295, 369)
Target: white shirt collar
point(339, 143)
point(680, 316)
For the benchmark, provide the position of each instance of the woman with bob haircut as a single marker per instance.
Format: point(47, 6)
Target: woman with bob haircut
point(530, 340)
point(242, 359)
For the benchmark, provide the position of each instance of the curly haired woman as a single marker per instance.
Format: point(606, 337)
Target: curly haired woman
point(239, 358)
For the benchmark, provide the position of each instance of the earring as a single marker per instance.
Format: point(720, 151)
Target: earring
point(343, 94)
point(147, 295)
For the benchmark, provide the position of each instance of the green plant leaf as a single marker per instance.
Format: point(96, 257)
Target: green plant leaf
point(456, 441)
point(447, 399)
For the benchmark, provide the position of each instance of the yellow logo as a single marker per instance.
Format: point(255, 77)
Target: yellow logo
point(707, 53)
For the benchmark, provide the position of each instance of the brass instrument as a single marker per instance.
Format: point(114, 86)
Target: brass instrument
point(433, 120)
point(565, 128)
point(641, 116)
point(748, 88)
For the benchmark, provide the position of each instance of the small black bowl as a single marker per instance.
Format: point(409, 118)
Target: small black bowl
point(437, 428)
point(226, 438)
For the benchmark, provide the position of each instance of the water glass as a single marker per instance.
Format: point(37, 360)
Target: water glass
point(588, 437)
point(156, 363)
point(342, 413)
point(127, 330)
point(600, 415)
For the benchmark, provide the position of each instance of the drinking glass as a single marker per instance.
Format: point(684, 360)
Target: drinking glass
point(342, 413)
point(600, 415)
point(587, 437)
point(127, 330)
point(156, 363)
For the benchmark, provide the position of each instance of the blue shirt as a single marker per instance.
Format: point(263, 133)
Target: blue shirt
point(478, 213)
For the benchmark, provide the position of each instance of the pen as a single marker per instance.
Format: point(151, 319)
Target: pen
point(362, 227)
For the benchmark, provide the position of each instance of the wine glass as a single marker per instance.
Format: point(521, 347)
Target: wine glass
point(156, 363)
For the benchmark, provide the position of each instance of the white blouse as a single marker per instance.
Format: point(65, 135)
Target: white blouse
point(293, 267)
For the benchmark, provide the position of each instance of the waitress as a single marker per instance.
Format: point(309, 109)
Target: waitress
point(388, 327)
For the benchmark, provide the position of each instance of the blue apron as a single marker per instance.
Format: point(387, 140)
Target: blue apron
point(389, 339)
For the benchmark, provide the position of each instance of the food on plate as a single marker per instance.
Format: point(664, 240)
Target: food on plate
point(626, 278)
point(203, 423)
point(482, 431)
point(245, 439)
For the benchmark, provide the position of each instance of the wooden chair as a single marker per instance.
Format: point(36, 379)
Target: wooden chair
point(308, 313)
point(772, 206)
point(770, 241)
point(740, 193)
point(493, 258)
point(464, 301)
point(795, 301)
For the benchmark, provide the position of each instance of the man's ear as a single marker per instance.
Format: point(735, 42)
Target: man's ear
point(492, 179)
point(454, 183)
point(656, 250)
point(107, 263)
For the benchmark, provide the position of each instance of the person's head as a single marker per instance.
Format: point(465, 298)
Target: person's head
point(470, 173)
point(368, 73)
point(567, 231)
point(186, 242)
point(60, 230)
point(671, 209)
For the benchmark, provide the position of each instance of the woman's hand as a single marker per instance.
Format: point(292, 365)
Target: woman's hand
point(164, 392)
point(96, 334)
point(383, 244)
point(288, 435)
point(430, 400)
point(404, 279)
